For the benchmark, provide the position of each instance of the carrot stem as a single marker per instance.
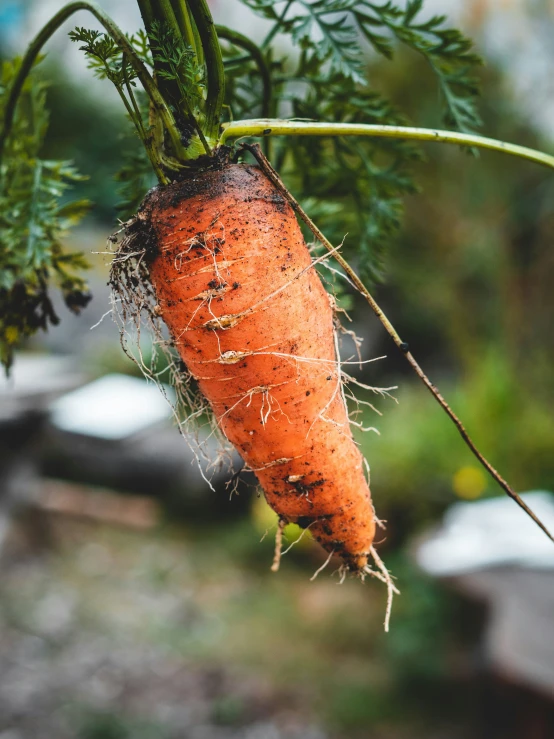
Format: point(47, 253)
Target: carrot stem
point(277, 127)
point(274, 177)
point(214, 65)
point(185, 24)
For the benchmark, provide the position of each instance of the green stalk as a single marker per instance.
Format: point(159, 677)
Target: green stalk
point(162, 11)
point(147, 13)
point(214, 66)
point(119, 37)
point(165, 13)
point(198, 45)
point(237, 39)
point(135, 115)
point(276, 127)
point(190, 115)
point(186, 26)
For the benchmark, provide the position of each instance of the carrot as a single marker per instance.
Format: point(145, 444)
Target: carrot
point(253, 323)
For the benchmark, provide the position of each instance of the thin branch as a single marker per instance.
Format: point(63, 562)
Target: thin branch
point(277, 127)
point(276, 180)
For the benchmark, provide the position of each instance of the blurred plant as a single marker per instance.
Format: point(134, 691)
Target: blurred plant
point(32, 223)
point(93, 724)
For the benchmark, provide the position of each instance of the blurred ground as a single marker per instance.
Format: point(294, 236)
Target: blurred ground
point(106, 632)
point(104, 638)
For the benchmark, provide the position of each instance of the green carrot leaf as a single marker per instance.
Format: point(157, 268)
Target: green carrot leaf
point(32, 223)
point(332, 31)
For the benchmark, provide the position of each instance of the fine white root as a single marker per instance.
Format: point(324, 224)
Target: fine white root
point(266, 410)
point(278, 545)
point(290, 546)
point(323, 566)
point(136, 312)
point(381, 573)
point(274, 463)
point(385, 577)
point(270, 528)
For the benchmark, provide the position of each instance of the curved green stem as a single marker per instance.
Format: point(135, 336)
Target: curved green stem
point(136, 117)
point(119, 37)
point(214, 65)
point(237, 39)
point(276, 127)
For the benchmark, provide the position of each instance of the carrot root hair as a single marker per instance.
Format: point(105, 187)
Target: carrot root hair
point(145, 340)
point(381, 573)
point(323, 566)
point(384, 575)
point(278, 545)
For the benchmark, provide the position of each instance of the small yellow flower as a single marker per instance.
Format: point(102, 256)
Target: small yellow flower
point(469, 483)
point(12, 334)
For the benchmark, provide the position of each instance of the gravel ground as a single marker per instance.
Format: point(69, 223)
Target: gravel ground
point(86, 650)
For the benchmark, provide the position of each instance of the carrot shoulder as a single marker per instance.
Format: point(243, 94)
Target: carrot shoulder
point(250, 318)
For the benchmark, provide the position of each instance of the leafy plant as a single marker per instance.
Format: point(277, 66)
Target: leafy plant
point(330, 32)
point(32, 222)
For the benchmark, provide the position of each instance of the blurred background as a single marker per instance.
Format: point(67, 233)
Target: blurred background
point(136, 601)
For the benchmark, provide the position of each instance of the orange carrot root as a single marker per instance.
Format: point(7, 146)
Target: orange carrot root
point(233, 280)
